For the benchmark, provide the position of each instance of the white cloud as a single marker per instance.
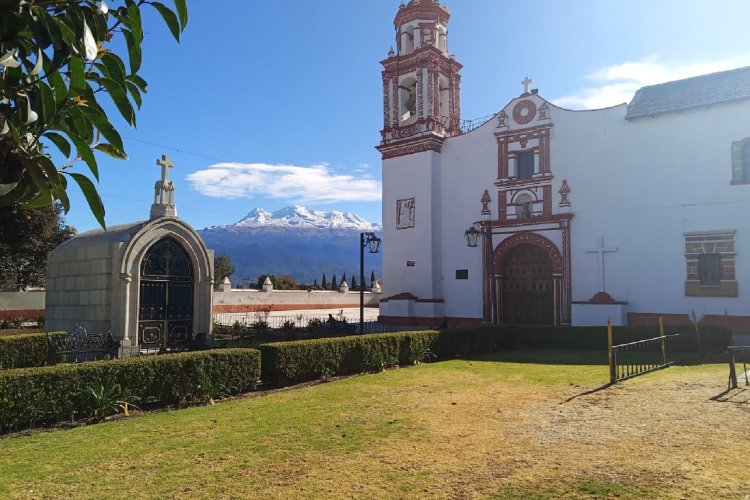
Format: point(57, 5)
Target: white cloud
point(314, 184)
point(618, 83)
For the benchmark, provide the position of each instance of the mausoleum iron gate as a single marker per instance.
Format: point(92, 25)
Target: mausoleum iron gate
point(165, 319)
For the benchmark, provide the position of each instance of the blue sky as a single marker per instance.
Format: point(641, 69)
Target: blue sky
point(289, 93)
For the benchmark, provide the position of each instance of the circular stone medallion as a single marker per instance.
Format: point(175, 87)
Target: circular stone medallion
point(524, 111)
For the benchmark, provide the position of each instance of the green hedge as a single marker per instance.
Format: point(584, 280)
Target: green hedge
point(25, 350)
point(45, 395)
point(293, 362)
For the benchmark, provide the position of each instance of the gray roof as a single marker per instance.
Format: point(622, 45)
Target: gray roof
point(725, 86)
point(119, 233)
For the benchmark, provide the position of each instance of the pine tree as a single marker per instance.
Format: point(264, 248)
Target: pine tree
point(324, 282)
point(334, 285)
point(354, 282)
point(343, 279)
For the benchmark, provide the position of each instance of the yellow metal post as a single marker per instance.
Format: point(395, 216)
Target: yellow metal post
point(663, 341)
point(612, 369)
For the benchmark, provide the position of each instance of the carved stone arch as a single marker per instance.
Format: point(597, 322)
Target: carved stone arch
point(553, 255)
point(127, 290)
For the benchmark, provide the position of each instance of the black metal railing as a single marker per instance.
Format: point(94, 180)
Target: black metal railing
point(734, 351)
point(636, 358)
point(80, 345)
point(469, 125)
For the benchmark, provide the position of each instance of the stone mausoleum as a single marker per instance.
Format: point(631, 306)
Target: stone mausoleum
point(149, 282)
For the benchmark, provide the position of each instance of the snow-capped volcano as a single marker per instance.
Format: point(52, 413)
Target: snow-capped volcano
point(297, 216)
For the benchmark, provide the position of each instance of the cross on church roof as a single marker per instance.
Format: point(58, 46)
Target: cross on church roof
point(165, 163)
point(526, 82)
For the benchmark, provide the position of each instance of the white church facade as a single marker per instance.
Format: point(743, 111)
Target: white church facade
point(630, 212)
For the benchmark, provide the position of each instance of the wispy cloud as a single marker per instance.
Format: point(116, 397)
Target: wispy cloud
point(313, 184)
point(618, 83)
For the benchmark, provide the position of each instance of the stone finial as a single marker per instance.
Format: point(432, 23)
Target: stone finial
point(226, 285)
point(164, 191)
point(344, 288)
point(376, 288)
point(267, 285)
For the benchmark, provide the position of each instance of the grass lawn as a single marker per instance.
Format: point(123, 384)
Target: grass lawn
point(524, 424)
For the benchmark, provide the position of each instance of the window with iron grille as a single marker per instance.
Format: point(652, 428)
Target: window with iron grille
point(709, 268)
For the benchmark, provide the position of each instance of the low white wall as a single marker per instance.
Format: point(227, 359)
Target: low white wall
point(288, 300)
point(28, 304)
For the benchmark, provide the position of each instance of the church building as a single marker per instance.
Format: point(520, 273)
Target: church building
point(626, 213)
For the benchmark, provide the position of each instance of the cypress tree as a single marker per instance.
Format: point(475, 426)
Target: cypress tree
point(324, 282)
point(354, 282)
point(334, 285)
point(343, 279)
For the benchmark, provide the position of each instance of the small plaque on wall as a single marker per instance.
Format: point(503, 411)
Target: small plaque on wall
point(462, 274)
point(405, 213)
point(410, 263)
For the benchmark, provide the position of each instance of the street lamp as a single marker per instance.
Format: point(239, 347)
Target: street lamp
point(372, 242)
point(472, 238)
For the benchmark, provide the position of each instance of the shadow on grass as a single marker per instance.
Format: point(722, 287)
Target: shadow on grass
point(545, 357)
point(736, 396)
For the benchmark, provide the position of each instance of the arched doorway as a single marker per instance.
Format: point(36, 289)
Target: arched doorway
point(165, 318)
point(528, 288)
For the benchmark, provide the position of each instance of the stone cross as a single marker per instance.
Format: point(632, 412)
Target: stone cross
point(164, 191)
point(601, 250)
point(165, 163)
point(526, 82)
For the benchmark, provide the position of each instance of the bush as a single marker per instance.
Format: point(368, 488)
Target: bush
point(293, 362)
point(26, 350)
point(42, 396)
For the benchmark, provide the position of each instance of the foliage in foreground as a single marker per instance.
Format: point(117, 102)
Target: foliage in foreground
point(56, 61)
point(42, 396)
point(26, 350)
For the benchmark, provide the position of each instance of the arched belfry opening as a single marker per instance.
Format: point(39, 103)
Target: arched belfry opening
point(165, 309)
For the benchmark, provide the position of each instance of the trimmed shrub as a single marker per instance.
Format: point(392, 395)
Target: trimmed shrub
point(45, 395)
point(26, 350)
point(300, 361)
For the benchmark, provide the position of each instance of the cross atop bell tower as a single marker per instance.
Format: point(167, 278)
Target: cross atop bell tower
point(164, 191)
point(421, 82)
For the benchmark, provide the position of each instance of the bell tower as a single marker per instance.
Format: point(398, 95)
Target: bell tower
point(420, 82)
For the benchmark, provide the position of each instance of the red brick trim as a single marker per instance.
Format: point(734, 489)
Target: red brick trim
point(24, 313)
point(427, 321)
point(421, 10)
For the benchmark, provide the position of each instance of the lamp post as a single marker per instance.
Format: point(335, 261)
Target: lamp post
point(472, 237)
point(372, 242)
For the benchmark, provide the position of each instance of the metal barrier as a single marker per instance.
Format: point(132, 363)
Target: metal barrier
point(733, 350)
point(80, 345)
point(636, 358)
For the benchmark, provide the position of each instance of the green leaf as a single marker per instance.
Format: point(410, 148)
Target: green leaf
point(181, 7)
point(59, 141)
point(140, 82)
point(134, 17)
point(120, 98)
point(134, 51)
point(41, 182)
point(84, 151)
point(81, 125)
point(58, 87)
point(170, 18)
point(135, 93)
point(92, 197)
point(48, 107)
point(49, 169)
point(77, 75)
point(112, 151)
point(102, 125)
point(115, 68)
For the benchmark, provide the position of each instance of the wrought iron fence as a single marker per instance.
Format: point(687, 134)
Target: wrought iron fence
point(469, 125)
point(279, 321)
point(636, 358)
point(80, 345)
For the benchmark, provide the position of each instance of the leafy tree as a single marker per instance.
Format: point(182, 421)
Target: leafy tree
point(223, 268)
point(334, 285)
point(56, 61)
point(25, 238)
point(283, 282)
point(324, 282)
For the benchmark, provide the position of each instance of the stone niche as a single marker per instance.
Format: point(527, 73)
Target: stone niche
point(149, 282)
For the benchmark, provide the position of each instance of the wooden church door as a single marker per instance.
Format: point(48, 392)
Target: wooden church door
point(166, 297)
point(527, 287)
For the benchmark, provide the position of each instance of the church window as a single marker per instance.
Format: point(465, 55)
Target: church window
point(709, 268)
point(710, 260)
point(741, 161)
point(408, 99)
point(525, 162)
